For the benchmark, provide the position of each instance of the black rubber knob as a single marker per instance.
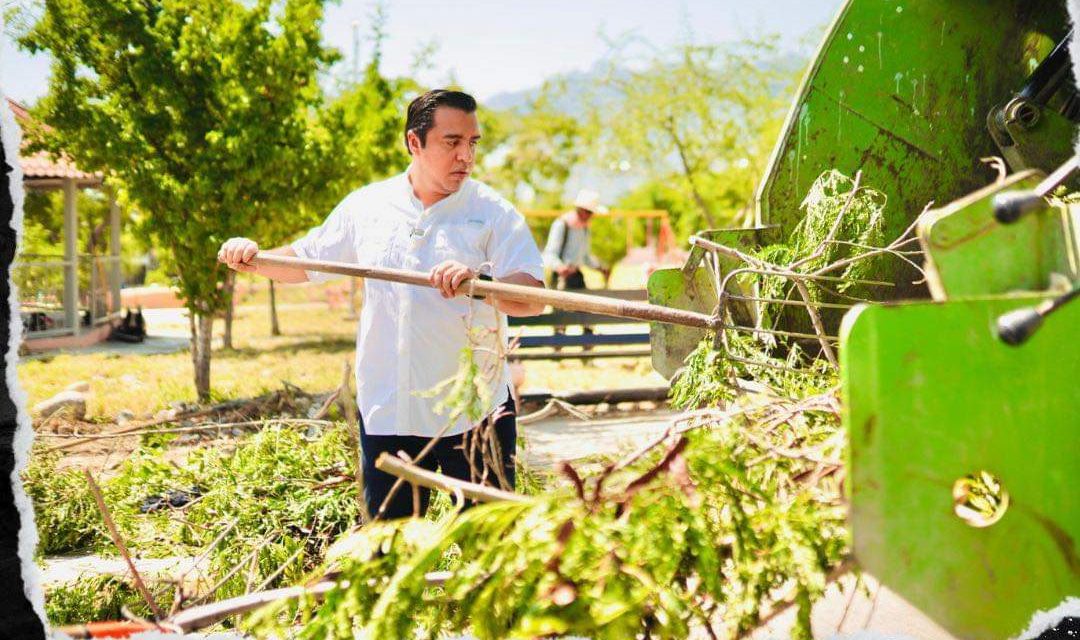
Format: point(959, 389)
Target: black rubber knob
point(1015, 327)
point(1010, 206)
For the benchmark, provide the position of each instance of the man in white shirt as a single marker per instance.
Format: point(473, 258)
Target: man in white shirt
point(431, 218)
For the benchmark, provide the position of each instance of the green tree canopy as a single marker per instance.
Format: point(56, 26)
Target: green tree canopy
point(534, 149)
point(198, 112)
point(698, 119)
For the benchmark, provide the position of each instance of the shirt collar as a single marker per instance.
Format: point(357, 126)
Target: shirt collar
point(412, 201)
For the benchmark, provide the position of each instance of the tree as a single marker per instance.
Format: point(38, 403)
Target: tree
point(533, 149)
point(198, 113)
point(354, 139)
point(696, 118)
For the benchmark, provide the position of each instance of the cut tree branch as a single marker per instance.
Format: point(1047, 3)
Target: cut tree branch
point(433, 480)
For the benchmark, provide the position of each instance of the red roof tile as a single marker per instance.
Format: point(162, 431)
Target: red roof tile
point(40, 164)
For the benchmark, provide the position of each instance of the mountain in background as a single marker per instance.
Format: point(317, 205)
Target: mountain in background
point(581, 86)
point(577, 85)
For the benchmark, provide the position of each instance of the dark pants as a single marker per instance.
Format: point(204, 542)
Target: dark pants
point(450, 455)
point(575, 280)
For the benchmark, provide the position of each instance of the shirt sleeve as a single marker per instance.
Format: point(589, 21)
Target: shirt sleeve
point(512, 248)
point(554, 244)
point(333, 240)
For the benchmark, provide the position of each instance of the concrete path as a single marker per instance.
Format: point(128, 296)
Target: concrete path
point(566, 438)
point(64, 569)
point(850, 611)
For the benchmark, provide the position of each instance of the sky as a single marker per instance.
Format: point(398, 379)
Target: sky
point(495, 46)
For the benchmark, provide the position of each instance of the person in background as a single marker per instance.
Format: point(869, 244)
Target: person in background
point(568, 243)
point(568, 248)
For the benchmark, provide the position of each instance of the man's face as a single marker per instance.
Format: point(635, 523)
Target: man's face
point(447, 158)
point(584, 215)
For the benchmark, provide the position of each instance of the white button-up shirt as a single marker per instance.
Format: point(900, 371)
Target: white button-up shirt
point(410, 338)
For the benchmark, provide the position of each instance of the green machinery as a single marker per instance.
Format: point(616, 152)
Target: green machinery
point(946, 395)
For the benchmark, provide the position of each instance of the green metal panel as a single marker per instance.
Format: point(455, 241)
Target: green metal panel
point(901, 89)
point(931, 395)
point(693, 290)
point(693, 287)
point(970, 253)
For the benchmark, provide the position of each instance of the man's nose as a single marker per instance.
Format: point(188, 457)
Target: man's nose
point(467, 154)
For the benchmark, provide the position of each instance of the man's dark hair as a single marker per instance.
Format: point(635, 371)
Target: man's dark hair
point(421, 114)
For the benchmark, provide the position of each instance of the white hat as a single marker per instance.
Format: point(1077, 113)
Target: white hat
point(589, 200)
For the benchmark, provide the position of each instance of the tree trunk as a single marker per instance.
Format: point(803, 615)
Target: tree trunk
point(230, 286)
point(202, 329)
point(275, 330)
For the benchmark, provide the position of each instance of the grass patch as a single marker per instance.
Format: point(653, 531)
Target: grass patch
point(315, 345)
point(262, 494)
point(65, 513)
point(100, 598)
point(317, 340)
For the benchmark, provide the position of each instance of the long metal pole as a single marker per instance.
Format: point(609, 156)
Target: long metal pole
point(71, 257)
point(519, 293)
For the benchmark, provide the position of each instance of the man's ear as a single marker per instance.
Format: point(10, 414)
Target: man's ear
point(414, 142)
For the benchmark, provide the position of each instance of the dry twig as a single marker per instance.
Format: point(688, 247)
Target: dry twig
point(119, 542)
point(416, 475)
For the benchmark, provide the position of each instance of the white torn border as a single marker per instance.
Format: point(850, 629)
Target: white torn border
point(1043, 621)
point(24, 432)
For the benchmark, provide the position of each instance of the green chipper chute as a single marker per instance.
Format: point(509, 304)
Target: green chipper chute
point(960, 379)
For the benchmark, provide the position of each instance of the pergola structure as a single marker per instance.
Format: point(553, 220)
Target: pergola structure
point(43, 172)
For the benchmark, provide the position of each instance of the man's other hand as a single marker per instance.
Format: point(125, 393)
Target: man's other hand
point(565, 270)
point(237, 254)
point(448, 276)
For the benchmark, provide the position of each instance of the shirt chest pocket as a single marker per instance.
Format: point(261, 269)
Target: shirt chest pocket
point(376, 246)
point(465, 242)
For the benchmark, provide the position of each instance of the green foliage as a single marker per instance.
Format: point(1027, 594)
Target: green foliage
point(45, 210)
point(708, 379)
point(663, 194)
point(267, 484)
point(540, 226)
point(609, 238)
point(197, 111)
point(533, 149)
point(65, 513)
point(43, 241)
point(202, 107)
point(698, 120)
point(702, 531)
point(467, 393)
point(354, 139)
point(100, 597)
point(862, 227)
point(706, 529)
